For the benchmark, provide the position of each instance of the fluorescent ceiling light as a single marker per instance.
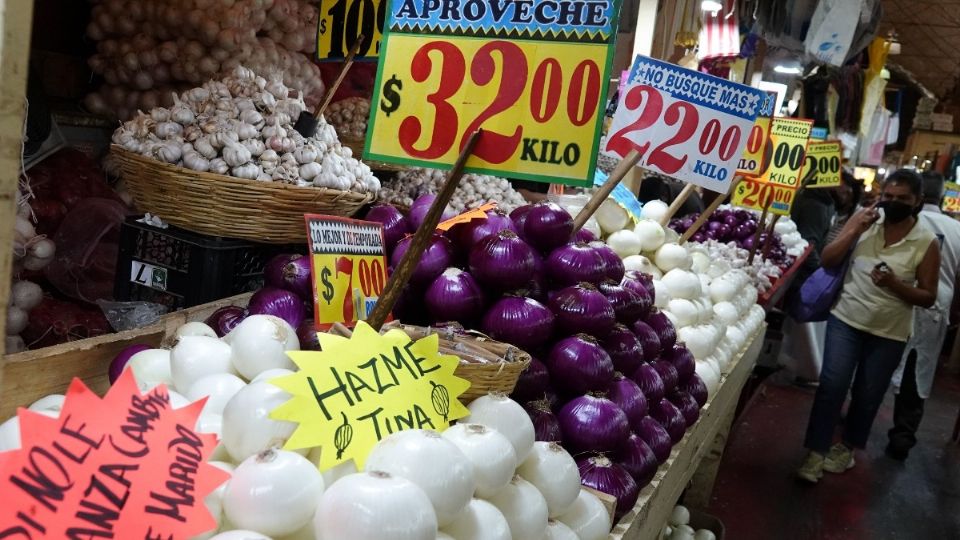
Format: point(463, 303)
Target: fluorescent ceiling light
point(711, 5)
point(787, 70)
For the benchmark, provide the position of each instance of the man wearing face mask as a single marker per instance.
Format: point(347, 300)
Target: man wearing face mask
point(894, 266)
point(914, 379)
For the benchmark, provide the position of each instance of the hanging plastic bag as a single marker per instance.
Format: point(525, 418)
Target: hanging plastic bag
point(832, 28)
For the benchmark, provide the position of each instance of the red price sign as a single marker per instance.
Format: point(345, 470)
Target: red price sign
point(756, 158)
point(758, 195)
point(684, 124)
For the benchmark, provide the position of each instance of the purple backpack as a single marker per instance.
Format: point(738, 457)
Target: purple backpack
point(818, 293)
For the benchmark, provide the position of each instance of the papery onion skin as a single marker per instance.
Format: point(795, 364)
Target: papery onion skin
point(612, 262)
point(546, 427)
point(648, 379)
point(578, 364)
point(279, 303)
point(649, 340)
point(656, 438)
point(395, 225)
point(696, 388)
point(593, 424)
point(436, 258)
point(608, 477)
point(624, 349)
point(582, 308)
point(226, 319)
point(502, 262)
point(630, 398)
point(571, 264)
point(670, 417)
point(533, 382)
point(688, 407)
point(627, 304)
point(547, 226)
point(296, 277)
point(639, 460)
point(273, 269)
point(663, 327)
point(668, 374)
point(454, 296)
point(523, 322)
point(121, 359)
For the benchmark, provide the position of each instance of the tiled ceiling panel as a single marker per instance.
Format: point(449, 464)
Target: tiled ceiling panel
point(929, 32)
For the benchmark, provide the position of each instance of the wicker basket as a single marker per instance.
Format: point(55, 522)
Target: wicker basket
point(217, 205)
point(356, 145)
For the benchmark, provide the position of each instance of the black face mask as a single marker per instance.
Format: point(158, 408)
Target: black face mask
point(896, 211)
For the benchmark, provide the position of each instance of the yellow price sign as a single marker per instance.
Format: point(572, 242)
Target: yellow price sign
point(757, 195)
point(349, 268)
point(341, 22)
point(951, 198)
point(358, 390)
point(823, 164)
point(756, 157)
point(788, 146)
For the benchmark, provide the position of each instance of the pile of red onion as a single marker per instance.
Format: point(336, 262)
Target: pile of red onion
point(738, 226)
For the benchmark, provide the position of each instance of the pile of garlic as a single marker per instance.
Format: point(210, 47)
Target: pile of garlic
point(349, 117)
point(243, 126)
point(474, 189)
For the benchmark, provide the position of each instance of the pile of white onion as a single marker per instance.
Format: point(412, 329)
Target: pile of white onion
point(30, 252)
point(678, 527)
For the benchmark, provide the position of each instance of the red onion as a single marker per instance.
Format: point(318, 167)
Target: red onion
point(433, 261)
point(226, 319)
point(645, 295)
point(502, 261)
point(604, 475)
point(273, 269)
point(639, 460)
point(574, 263)
point(534, 381)
point(629, 397)
point(584, 235)
point(307, 334)
point(409, 306)
point(523, 322)
point(473, 232)
point(578, 364)
point(688, 407)
point(280, 303)
point(670, 417)
point(519, 218)
point(649, 340)
point(546, 427)
point(582, 308)
point(656, 438)
point(547, 225)
point(627, 305)
point(650, 382)
point(613, 263)
point(294, 275)
point(454, 296)
point(593, 424)
point(121, 359)
point(668, 374)
point(395, 226)
point(682, 359)
point(663, 327)
point(420, 207)
point(645, 279)
point(624, 349)
point(696, 388)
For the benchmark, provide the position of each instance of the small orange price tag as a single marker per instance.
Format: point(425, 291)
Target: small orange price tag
point(479, 212)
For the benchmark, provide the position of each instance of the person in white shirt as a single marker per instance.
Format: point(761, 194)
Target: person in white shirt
point(914, 378)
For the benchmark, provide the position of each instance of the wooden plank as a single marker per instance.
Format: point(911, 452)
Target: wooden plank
point(701, 483)
point(657, 500)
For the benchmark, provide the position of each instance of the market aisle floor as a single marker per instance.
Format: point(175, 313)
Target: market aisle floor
point(757, 497)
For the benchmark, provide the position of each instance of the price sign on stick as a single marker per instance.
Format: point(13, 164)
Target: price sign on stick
point(341, 22)
point(755, 194)
point(532, 75)
point(756, 155)
point(823, 162)
point(951, 198)
point(788, 147)
point(685, 124)
point(349, 268)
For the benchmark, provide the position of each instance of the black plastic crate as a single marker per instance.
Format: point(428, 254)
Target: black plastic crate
point(179, 268)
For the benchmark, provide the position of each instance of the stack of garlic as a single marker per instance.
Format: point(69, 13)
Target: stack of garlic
point(242, 126)
point(349, 117)
point(474, 189)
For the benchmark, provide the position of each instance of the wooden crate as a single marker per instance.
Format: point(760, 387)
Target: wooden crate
point(30, 375)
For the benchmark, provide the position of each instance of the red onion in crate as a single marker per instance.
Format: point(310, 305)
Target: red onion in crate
point(420, 207)
point(502, 261)
point(226, 319)
point(650, 382)
point(645, 294)
point(696, 388)
point(307, 334)
point(627, 304)
point(584, 235)
point(593, 424)
point(475, 231)
point(533, 382)
point(639, 460)
point(546, 226)
point(670, 417)
point(519, 218)
point(668, 374)
point(280, 303)
point(578, 364)
point(630, 398)
point(571, 264)
point(119, 361)
point(395, 225)
point(546, 426)
point(665, 330)
point(649, 340)
point(624, 349)
point(688, 407)
point(603, 475)
point(682, 359)
point(454, 296)
point(582, 308)
point(656, 438)
point(519, 321)
point(436, 258)
point(614, 264)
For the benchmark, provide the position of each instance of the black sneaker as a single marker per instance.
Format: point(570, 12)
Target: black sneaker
point(898, 454)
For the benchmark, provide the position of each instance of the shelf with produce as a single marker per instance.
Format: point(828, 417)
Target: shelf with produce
point(772, 297)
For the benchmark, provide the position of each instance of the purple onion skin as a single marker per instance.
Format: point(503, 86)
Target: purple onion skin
point(533, 382)
point(650, 382)
point(670, 417)
point(656, 438)
point(624, 349)
point(454, 297)
point(226, 319)
point(649, 340)
point(584, 235)
point(627, 304)
point(683, 360)
point(614, 264)
point(578, 364)
point(696, 388)
point(571, 264)
point(473, 232)
point(297, 277)
point(307, 334)
point(688, 406)
point(639, 460)
point(280, 303)
point(119, 361)
point(645, 279)
point(519, 218)
point(699, 237)
point(593, 424)
point(611, 478)
point(663, 327)
point(668, 374)
point(582, 309)
point(436, 258)
point(502, 262)
point(522, 322)
point(395, 225)
point(645, 295)
point(546, 226)
point(420, 207)
point(546, 427)
point(273, 269)
point(630, 398)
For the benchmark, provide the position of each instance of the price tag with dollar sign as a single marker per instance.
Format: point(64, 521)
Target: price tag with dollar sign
point(349, 265)
point(341, 22)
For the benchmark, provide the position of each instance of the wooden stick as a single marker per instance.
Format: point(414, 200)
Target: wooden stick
point(769, 242)
point(760, 227)
point(401, 275)
point(601, 194)
point(347, 64)
point(705, 215)
point(677, 203)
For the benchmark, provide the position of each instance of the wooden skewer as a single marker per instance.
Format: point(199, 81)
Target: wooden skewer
point(421, 238)
point(677, 203)
point(347, 64)
point(601, 194)
point(769, 242)
point(707, 213)
point(760, 228)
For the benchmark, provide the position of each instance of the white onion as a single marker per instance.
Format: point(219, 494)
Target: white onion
point(26, 295)
point(682, 284)
point(274, 492)
point(682, 532)
point(662, 296)
point(372, 506)
point(592, 226)
point(639, 263)
point(214, 500)
point(218, 388)
point(670, 256)
point(491, 454)
point(17, 320)
point(701, 261)
point(240, 535)
point(710, 376)
point(195, 329)
point(704, 534)
point(480, 520)
point(444, 536)
point(260, 343)
point(654, 210)
point(611, 217)
point(557, 530)
point(10, 434)
point(625, 243)
point(679, 516)
point(736, 337)
point(554, 473)
point(704, 310)
point(698, 339)
point(271, 374)
point(195, 357)
point(335, 473)
point(684, 312)
point(523, 507)
point(505, 415)
point(650, 233)
point(431, 462)
point(150, 368)
point(177, 400)
point(723, 289)
point(726, 313)
point(587, 518)
point(53, 402)
point(247, 426)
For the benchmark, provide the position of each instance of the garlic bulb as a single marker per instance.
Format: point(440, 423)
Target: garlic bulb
point(249, 171)
point(236, 154)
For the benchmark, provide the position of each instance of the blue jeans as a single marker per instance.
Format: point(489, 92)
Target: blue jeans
point(848, 351)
